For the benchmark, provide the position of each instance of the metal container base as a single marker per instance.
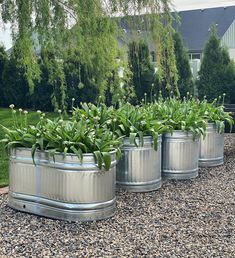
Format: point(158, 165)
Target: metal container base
point(59, 210)
point(180, 175)
point(140, 188)
point(211, 162)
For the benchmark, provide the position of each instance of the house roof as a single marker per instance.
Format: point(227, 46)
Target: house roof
point(195, 25)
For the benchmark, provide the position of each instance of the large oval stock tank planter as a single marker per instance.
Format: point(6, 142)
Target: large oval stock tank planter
point(62, 188)
point(180, 152)
point(139, 169)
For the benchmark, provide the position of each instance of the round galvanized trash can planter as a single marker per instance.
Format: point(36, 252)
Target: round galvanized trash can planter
point(64, 189)
point(139, 169)
point(211, 151)
point(180, 155)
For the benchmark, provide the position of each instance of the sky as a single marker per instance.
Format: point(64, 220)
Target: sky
point(179, 5)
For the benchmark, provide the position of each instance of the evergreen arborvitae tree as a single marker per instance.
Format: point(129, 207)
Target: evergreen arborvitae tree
point(15, 87)
point(185, 82)
point(141, 68)
point(217, 73)
point(3, 62)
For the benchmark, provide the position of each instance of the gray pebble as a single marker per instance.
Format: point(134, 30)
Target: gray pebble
point(194, 218)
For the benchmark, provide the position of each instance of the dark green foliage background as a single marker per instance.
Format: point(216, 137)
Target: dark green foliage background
point(141, 68)
point(185, 82)
point(217, 73)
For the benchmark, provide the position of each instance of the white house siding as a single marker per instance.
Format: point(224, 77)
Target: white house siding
point(232, 53)
point(228, 40)
point(183, 5)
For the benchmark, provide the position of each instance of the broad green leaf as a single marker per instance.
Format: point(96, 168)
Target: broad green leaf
point(107, 160)
point(98, 158)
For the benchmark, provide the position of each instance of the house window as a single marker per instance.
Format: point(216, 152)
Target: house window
point(196, 56)
point(193, 56)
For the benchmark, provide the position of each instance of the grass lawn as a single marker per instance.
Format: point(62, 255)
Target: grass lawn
point(6, 120)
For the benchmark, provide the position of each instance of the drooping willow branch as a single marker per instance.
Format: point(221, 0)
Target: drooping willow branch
point(89, 28)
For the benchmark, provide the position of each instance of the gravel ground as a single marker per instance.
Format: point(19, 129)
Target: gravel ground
point(183, 219)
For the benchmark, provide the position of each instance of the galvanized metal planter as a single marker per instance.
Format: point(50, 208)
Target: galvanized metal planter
point(139, 169)
point(211, 148)
point(230, 108)
point(180, 155)
point(64, 189)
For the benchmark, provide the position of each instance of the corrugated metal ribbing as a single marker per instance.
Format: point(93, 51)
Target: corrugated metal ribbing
point(211, 148)
point(180, 155)
point(65, 189)
point(229, 37)
point(139, 169)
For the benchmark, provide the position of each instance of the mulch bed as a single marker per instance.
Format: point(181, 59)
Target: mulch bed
point(193, 218)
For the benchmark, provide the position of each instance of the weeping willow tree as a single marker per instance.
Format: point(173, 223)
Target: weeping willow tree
point(88, 30)
point(142, 69)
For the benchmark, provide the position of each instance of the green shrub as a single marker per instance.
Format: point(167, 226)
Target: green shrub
point(217, 73)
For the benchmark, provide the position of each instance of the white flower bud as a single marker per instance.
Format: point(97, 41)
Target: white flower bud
point(12, 106)
point(20, 109)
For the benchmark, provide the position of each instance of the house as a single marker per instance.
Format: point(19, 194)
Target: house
point(195, 28)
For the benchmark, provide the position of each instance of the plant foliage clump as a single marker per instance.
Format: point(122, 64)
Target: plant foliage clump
point(180, 114)
point(214, 112)
point(63, 136)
